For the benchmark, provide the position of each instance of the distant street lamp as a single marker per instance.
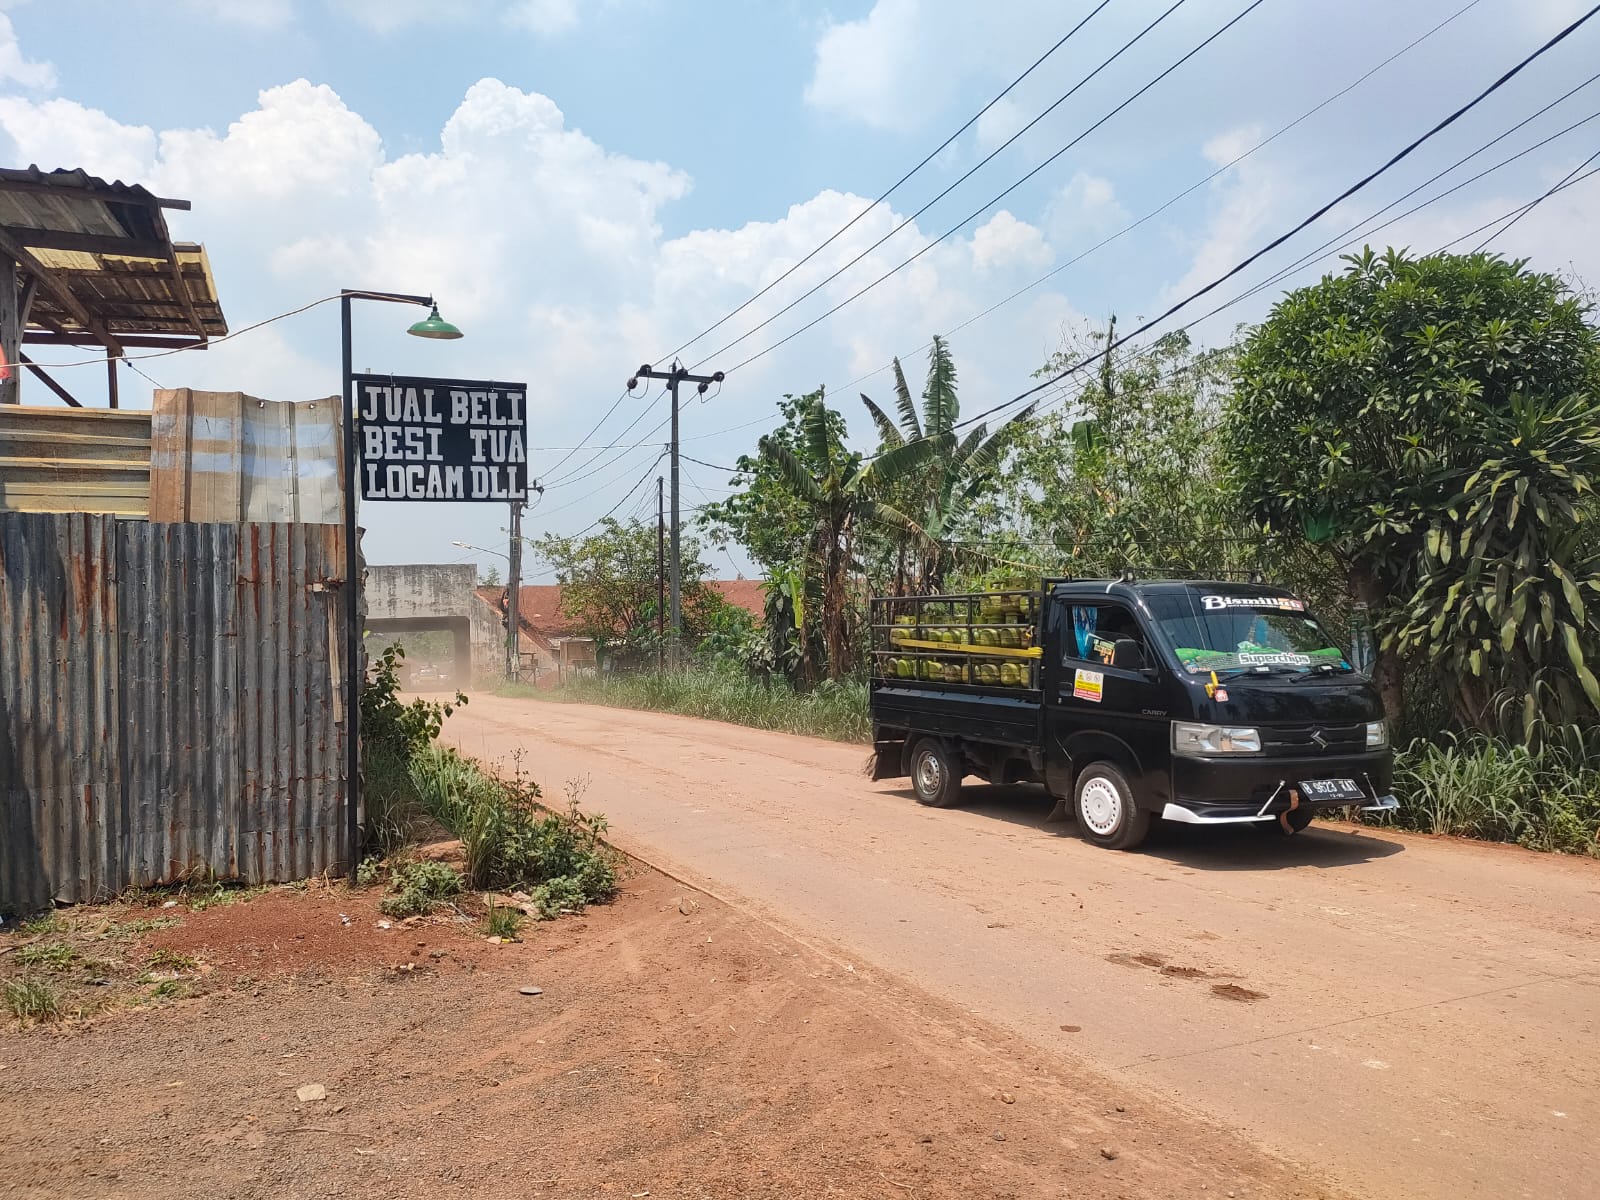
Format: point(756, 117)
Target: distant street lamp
point(433, 327)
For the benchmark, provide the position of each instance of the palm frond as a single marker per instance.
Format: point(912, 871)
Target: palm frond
point(818, 439)
point(902, 462)
point(890, 517)
point(940, 408)
point(907, 406)
point(793, 470)
point(887, 433)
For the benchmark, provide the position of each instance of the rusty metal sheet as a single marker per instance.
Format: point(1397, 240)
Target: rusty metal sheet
point(170, 704)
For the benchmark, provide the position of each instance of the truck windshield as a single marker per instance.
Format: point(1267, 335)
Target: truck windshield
point(1245, 634)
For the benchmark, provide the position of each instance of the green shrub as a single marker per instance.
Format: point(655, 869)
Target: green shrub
point(512, 841)
point(418, 888)
point(1545, 797)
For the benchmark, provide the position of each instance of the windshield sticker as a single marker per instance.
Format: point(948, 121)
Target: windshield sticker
point(1213, 603)
point(1101, 648)
point(1088, 685)
point(1273, 658)
point(1197, 660)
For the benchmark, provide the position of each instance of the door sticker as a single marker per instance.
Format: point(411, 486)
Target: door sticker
point(1087, 685)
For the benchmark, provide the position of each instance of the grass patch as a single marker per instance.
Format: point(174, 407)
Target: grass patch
point(51, 956)
point(418, 888)
point(835, 710)
point(31, 1000)
point(502, 922)
point(171, 960)
point(44, 925)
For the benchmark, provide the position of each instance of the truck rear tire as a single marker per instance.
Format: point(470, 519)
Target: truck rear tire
point(1107, 815)
point(935, 776)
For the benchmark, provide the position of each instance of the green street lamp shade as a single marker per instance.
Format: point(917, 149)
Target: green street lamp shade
point(435, 327)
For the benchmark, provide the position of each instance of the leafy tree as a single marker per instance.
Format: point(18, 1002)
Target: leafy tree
point(609, 584)
point(1379, 410)
point(490, 578)
point(1125, 474)
point(941, 499)
point(836, 502)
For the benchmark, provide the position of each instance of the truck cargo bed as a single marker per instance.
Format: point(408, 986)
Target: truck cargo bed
point(1003, 716)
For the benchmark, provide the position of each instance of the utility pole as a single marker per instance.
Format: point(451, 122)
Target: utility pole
point(661, 578)
point(675, 375)
point(513, 595)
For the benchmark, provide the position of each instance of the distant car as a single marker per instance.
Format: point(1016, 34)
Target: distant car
point(428, 673)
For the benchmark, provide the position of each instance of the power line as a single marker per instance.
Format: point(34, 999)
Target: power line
point(588, 467)
point(939, 149)
point(703, 463)
point(1519, 209)
point(582, 443)
point(624, 499)
point(984, 207)
point(1279, 240)
point(989, 158)
point(1566, 179)
point(1323, 251)
point(596, 491)
point(1190, 190)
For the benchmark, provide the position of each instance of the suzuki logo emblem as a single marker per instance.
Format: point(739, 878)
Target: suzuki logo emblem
point(1316, 736)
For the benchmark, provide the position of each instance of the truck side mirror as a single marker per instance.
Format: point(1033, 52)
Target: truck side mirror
point(1127, 655)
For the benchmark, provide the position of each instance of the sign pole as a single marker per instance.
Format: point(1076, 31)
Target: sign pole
point(352, 586)
point(514, 597)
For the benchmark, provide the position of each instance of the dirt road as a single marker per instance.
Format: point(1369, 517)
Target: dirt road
point(1415, 1017)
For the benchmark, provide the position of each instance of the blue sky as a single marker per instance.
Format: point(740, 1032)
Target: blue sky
point(586, 183)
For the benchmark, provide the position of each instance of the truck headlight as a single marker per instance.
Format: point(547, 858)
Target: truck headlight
point(1188, 739)
point(1377, 734)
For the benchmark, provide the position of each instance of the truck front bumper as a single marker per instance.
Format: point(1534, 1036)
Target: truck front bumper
point(1229, 791)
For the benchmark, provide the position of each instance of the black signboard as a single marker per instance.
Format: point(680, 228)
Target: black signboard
point(441, 439)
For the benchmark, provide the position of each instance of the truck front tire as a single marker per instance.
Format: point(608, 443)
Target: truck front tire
point(1107, 815)
point(935, 776)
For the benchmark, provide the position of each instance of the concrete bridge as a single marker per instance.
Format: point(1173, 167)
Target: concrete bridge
point(418, 597)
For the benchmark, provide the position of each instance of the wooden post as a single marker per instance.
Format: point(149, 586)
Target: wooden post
point(10, 333)
point(111, 380)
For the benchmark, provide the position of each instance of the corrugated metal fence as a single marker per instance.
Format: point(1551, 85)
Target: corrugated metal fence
point(170, 704)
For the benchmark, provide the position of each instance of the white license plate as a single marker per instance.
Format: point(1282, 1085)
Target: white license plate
point(1331, 789)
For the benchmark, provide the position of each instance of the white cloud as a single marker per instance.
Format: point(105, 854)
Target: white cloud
point(899, 66)
point(999, 123)
point(1085, 208)
point(1003, 241)
point(544, 17)
point(548, 250)
point(63, 133)
point(1245, 200)
point(253, 14)
point(861, 64)
point(14, 68)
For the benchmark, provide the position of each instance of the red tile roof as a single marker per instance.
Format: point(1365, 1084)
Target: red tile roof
point(539, 604)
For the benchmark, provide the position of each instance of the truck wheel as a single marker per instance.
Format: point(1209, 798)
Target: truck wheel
point(934, 775)
point(1107, 815)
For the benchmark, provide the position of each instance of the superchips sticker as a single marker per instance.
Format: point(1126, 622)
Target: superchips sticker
point(1088, 685)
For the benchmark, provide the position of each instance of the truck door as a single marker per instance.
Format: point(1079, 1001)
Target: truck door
point(1097, 710)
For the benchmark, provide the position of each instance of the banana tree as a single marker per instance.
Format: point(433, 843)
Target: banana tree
point(966, 469)
point(840, 501)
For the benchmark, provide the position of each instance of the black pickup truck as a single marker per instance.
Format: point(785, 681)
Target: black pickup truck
point(1201, 702)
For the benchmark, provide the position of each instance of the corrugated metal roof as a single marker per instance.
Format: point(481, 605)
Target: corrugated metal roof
point(109, 244)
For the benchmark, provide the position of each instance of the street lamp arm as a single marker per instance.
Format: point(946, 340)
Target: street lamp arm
point(391, 297)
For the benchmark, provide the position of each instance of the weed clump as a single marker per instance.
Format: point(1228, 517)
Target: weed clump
point(31, 1000)
point(502, 922)
point(52, 956)
point(511, 841)
point(418, 888)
